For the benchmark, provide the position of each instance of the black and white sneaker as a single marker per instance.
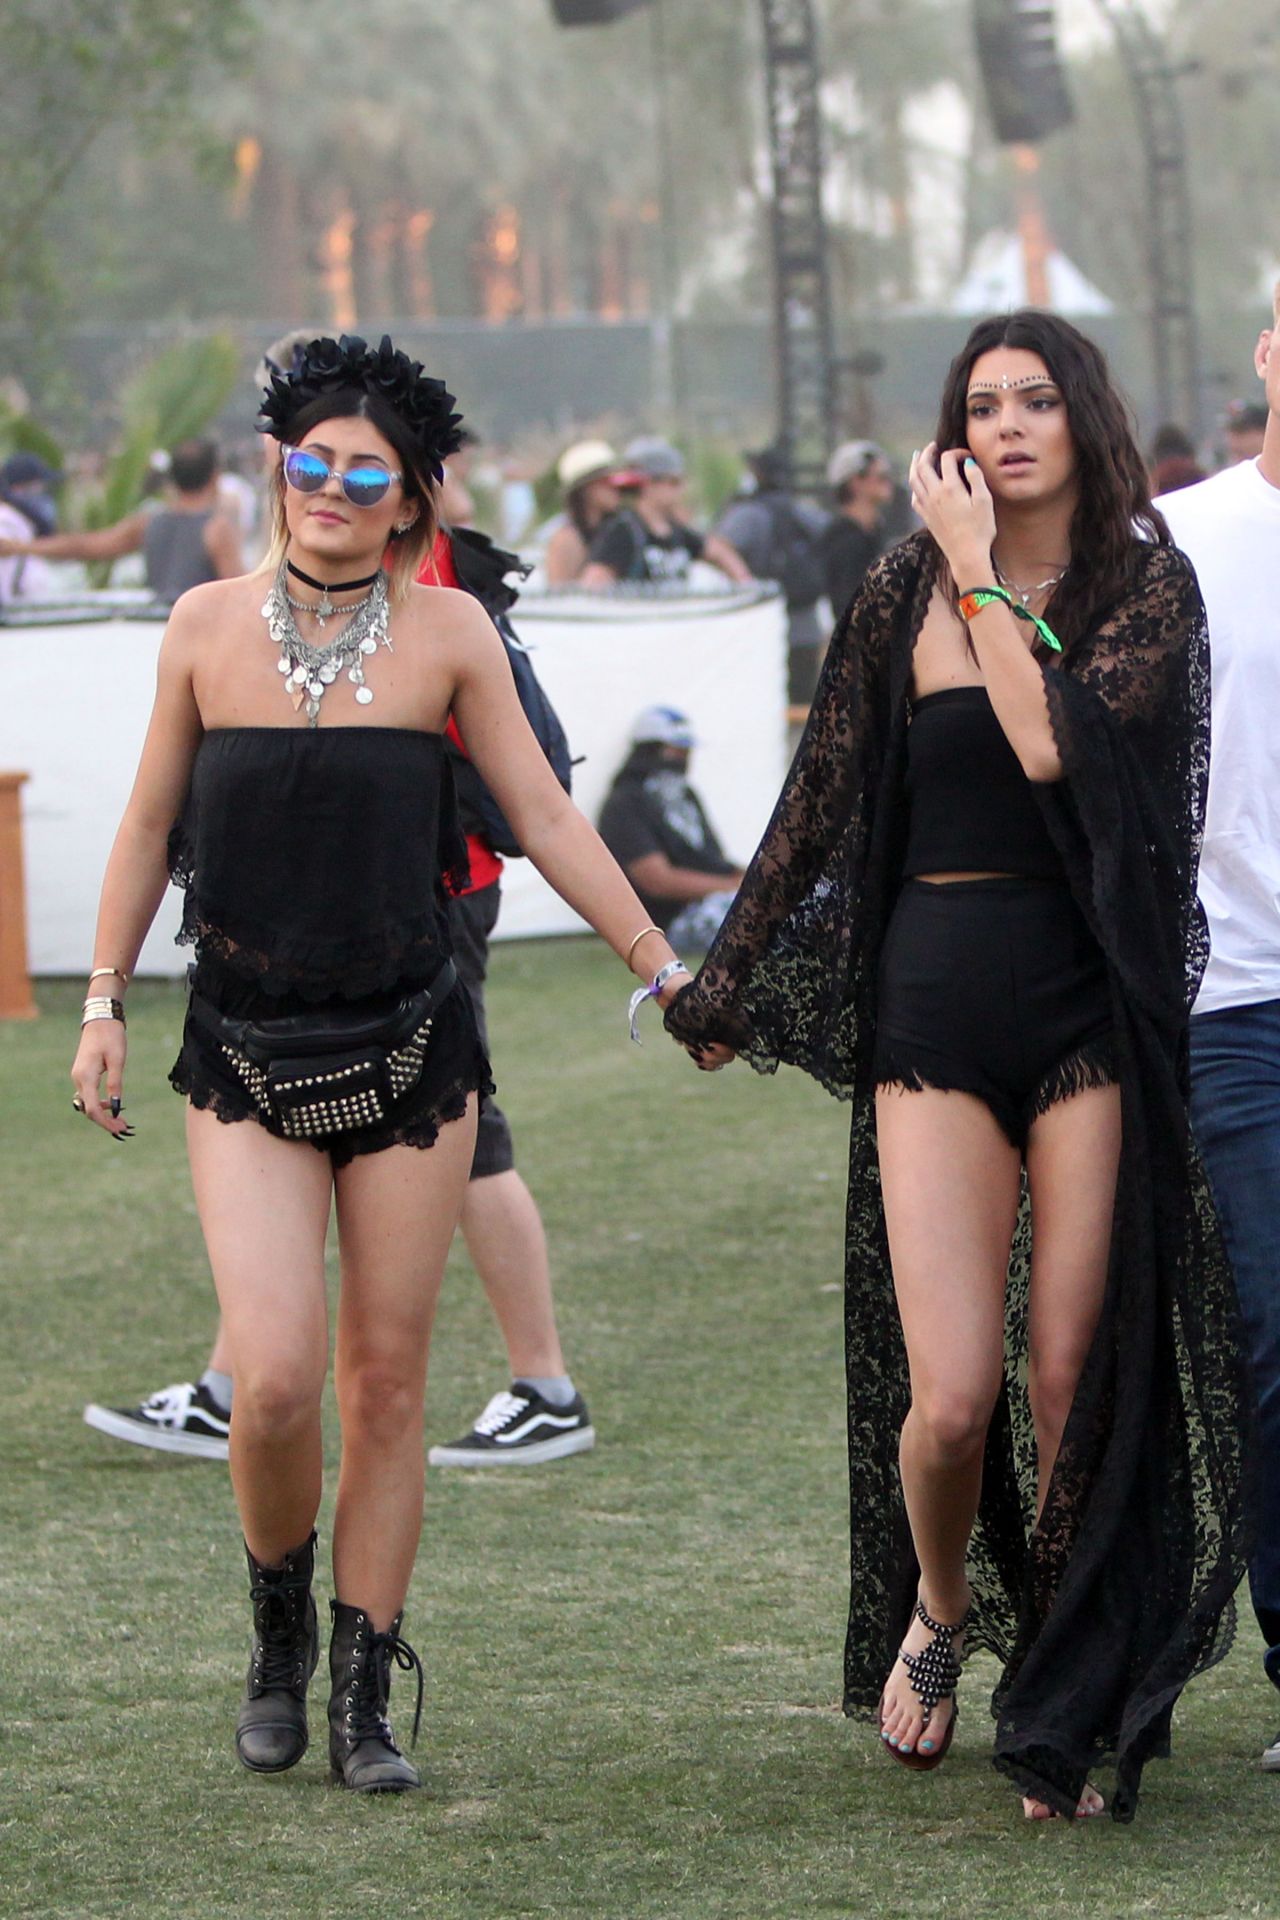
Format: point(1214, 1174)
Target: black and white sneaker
point(519, 1428)
point(180, 1419)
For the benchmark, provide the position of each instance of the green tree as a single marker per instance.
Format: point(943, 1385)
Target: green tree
point(74, 68)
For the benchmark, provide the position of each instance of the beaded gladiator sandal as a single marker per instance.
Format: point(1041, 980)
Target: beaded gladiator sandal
point(934, 1674)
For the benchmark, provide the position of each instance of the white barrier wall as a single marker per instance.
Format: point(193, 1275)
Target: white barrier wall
point(78, 696)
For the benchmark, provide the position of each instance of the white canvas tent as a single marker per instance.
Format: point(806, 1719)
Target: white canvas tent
point(996, 281)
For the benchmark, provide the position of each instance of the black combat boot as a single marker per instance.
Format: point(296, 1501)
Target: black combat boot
point(271, 1732)
point(362, 1748)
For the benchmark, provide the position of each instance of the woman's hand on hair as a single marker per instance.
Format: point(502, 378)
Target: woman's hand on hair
point(954, 501)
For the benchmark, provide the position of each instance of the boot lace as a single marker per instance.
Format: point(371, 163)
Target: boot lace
point(278, 1615)
point(367, 1715)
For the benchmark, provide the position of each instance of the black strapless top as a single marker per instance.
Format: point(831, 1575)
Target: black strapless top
point(315, 862)
point(972, 808)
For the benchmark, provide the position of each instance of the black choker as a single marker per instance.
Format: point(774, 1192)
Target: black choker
point(330, 586)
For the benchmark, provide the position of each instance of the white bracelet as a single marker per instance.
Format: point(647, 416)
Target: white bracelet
point(99, 1007)
point(651, 992)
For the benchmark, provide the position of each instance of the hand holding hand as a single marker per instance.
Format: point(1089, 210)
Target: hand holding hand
point(710, 1055)
point(670, 988)
point(707, 1055)
point(955, 503)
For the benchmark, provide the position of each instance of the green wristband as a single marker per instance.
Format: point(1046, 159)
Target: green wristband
point(976, 598)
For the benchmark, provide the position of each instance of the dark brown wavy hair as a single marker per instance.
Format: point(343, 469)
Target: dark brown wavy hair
point(1114, 515)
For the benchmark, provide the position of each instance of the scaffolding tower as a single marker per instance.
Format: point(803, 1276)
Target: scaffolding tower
point(802, 290)
point(1175, 346)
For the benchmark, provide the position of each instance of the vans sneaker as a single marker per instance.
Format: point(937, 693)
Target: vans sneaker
point(519, 1428)
point(180, 1419)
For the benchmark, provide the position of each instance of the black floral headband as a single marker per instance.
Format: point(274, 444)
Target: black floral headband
point(326, 366)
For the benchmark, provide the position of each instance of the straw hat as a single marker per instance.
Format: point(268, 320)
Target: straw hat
point(585, 460)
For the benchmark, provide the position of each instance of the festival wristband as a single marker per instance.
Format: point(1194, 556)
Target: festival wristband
point(977, 598)
point(651, 992)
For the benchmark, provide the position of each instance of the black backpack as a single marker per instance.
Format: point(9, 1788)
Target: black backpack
point(796, 556)
point(482, 568)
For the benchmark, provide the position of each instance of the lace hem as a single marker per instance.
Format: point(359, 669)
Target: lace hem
point(349, 970)
point(1048, 1767)
point(422, 1130)
point(762, 1058)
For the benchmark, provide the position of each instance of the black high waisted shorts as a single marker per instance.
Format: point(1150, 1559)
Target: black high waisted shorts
point(995, 988)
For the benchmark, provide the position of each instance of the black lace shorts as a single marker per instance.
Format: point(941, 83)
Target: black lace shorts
point(995, 988)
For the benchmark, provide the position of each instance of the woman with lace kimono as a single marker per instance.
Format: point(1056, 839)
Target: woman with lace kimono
point(973, 915)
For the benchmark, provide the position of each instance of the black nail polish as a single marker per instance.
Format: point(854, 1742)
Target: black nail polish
point(115, 1107)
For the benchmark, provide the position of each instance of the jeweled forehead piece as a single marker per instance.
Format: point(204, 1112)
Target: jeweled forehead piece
point(1005, 385)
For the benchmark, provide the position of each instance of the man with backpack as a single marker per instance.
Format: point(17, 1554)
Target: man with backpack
point(861, 482)
point(779, 536)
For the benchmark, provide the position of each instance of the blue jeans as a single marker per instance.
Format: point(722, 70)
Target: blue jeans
point(1235, 1113)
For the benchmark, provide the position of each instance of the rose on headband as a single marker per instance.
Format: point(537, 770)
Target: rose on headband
point(326, 366)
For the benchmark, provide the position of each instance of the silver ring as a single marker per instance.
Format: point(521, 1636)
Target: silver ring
point(78, 1104)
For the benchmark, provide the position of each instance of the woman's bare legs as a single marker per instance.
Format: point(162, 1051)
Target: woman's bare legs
point(264, 1209)
point(1073, 1156)
point(397, 1211)
point(950, 1180)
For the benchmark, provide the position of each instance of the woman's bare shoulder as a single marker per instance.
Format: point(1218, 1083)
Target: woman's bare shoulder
point(215, 602)
point(445, 613)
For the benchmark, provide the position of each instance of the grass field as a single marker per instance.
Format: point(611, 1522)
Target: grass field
point(632, 1657)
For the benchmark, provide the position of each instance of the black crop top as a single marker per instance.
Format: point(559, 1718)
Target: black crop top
point(972, 808)
point(316, 862)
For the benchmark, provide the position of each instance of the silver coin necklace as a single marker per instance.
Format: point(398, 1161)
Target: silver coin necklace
point(309, 671)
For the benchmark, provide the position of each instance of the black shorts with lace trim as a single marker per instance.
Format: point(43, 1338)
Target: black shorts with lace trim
point(455, 1067)
point(995, 988)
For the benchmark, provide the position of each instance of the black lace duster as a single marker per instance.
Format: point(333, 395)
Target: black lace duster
point(1102, 1613)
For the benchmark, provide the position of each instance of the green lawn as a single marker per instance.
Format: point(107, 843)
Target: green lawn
point(633, 1656)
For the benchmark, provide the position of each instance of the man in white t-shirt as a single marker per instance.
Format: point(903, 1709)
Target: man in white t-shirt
point(1229, 527)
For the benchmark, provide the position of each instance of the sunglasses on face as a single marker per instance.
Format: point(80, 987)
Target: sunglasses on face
point(363, 486)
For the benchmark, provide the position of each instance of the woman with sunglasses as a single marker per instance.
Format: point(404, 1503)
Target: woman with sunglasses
point(294, 780)
point(974, 916)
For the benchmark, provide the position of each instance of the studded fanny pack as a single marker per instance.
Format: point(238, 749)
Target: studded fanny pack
point(314, 1074)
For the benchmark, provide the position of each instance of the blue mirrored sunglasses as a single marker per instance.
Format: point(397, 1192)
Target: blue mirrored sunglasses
point(363, 486)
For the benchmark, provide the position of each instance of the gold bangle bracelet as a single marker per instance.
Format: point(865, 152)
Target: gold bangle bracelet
point(117, 973)
point(639, 937)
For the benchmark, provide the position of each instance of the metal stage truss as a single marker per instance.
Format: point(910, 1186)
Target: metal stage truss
point(802, 290)
point(806, 374)
point(1175, 348)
